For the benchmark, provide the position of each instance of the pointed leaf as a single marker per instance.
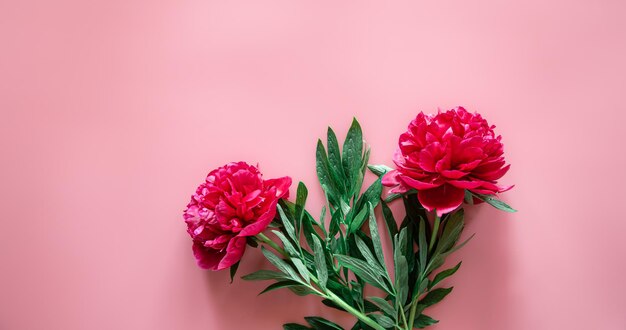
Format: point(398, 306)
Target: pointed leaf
point(352, 152)
point(321, 323)
point(392, 226)
point(363, 270)
point(294, 326)
point(444, 274)
point(423, 320)
point(262, 275)
point(378, 246)
point(280, 285)
point(383, 305)
point(280, 264)
point(379, 170)
point(500, 205)
point(435, 296)
point(320, 262)
point(233, 271)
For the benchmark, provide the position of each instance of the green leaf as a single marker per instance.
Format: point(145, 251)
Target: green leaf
point(302, 290)
point(423, 320)
point(321, 323)
point(444, 274)
point(383, 305)
point(280, 285)
point(500, 205)
point(233, 271)
point(392, 197)
point(383, 320)
point(351, 154)
point(401, 268)
point(263, 275)
point(320, 262)
point(324, 174)
point(451, 232)
point(378, 246)
point(304, 272)
point(372, 195)
point(423, 245)
point(280, 264)
point(334, 159)
point(335, 220)
point(435, 296)
point(287, 223)
point(322, 217)
point(301, 195)
point(363, 270)
point(379, 170)
point(358, 221)
point(469, 198)
point(361, 174)
point(289, 248)
point(392, 226)
point(294, 326)
point(369, 257)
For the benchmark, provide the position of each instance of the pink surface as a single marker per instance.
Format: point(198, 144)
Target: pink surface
point(113, 111)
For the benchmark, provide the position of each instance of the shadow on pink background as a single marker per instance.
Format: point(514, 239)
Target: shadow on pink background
point(113, 111)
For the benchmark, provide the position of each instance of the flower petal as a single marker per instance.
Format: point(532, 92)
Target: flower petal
point(260, 224)
point(282, 186)
point(419, 185)
point(443, 199)
point(206, 258)
point(234, 252)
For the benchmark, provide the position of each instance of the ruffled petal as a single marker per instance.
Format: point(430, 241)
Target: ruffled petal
point(207, 258)
point(419, 185)
point(262, 223)
point(282, 186)
point(464, 184)
point(234, 252)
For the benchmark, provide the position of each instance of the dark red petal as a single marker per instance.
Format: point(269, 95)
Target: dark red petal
point(465, 184)
point(453, 174)
point(419, 185)
point(260, 224)
point(282, 186)
point(234, 252)
point(494, 175)
point(443, 199)
point(207, 258)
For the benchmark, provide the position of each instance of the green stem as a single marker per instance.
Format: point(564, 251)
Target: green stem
point(412, 314)
point(327, 293)
point(404, 319)
point(353, 311)
point(433, 236)
point(261, 237)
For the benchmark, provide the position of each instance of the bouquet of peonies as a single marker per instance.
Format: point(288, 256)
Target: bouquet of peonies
point(444, 162)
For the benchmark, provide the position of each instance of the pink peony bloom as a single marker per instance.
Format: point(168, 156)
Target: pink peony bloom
point(443, 155)
point(233, 203)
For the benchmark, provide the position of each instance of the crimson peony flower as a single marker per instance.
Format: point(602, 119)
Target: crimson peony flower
point(233, 203)
point(443, 155)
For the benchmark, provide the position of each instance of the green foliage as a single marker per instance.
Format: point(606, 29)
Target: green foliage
point(500, 205)
point(343, 256)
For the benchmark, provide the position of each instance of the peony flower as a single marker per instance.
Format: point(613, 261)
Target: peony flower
point(233, 203)
point(441, 156)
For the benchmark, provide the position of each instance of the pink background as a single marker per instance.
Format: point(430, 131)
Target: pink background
point(113, 111)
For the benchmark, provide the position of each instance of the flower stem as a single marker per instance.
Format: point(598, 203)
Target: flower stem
point(263, 238)
point(326, 293)
point(353, 311)
point(433, 236)
point(412, 314)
